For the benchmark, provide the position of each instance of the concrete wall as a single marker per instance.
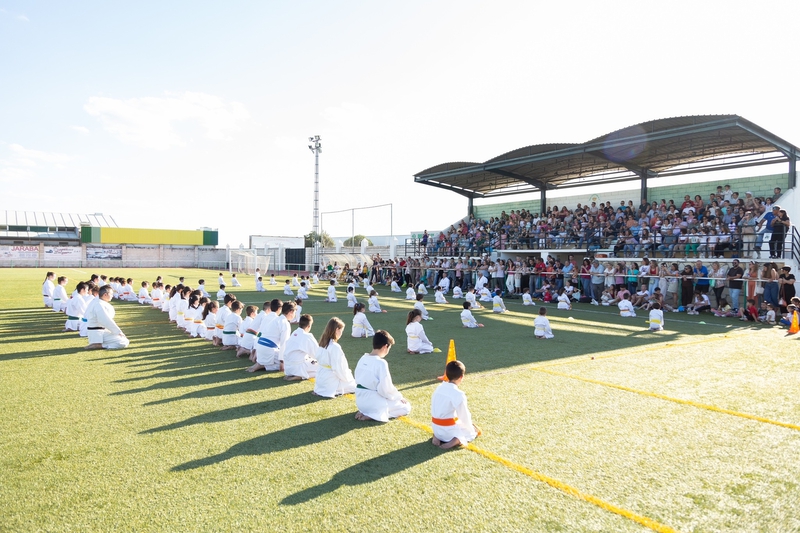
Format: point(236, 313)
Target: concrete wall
point(135, 256)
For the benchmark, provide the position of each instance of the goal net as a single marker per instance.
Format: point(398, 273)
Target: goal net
point(246, 262)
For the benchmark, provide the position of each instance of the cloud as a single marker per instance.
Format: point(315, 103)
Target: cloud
point(23, 18)
point(150, 122)
point(21, 164)
point(81, 129)
point(28, 155)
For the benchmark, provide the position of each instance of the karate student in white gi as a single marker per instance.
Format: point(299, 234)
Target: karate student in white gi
point(374, 305)
point(260, 285)
point(361, 325)
point(287, 289)
point(302, 292)
point(351, 297)
point(230, 330)
point(331, 292)
point(76, 308)
point(457, 292)
point(144, 295)
point(298, 357)
point(103, 330)
point(60, 295)
point(419, 306)
point(411, 294)
point(247, 340)
point(626, 307)
point(334, 377)
point(234, 281)
point(656, 318)
point(416, 340)
point(541, 325)
point(450, 417)
point(272, 342)
point(439, 296)
point(526, 297)
point(498, 306)
point(396, 287)
point(376, 396)
point(48, 288)
point(467, 320)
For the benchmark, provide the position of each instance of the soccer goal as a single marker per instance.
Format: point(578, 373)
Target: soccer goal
point(246, 262)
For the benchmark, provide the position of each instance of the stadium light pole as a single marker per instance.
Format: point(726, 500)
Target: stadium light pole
point(316, 146)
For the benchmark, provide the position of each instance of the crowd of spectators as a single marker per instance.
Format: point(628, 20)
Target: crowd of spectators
point(722, 223)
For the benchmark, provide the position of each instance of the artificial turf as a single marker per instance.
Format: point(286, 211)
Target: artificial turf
point(172, 434)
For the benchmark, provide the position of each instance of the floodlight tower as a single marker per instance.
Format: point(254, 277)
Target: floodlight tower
point(316, 146)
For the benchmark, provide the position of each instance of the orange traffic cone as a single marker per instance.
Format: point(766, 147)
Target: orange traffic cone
point(794, 328)
point(451, 356)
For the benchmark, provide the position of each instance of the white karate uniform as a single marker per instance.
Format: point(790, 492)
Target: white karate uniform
point(417, 340)
point(498, 306)
point(315, 279)
point(100, 314)
point(272, 281)
point(202, 289)
point(287, 290)
point(411, 294)
point(181, 307)
point(298, 312)
point(457, 292)
point(334, 376)
point(76, 308)
point(260, 286)
point(563, 301)
point(156, 298)
point(144, 296)
point(396, 287)
point(230, 331)
point(468, 320)
point(299, 355)
point(421, 289)
point(235, 283)
point(193, 317)
point(361, 326)
point(351, 300)
point(470, 297)
point(626, 309)
point(246, 340)
point(444, 283)
point(486, 295)
point(208, 327)
point(376, 395)
point(221, 295)
point(127, 294)
point(374, 306)
point(173, 307)
point(295, 281)
point(481, 283)
point(222, 315)
point(47, 292)
point(369, 288)
point(221, 281)
point(60, 298)
point(439, 298)
point(656, 319)
point(527, 300)
point(421, 307)
point(449, 404)
point(331, 294)
point(541, 327)
point(272, 343)
point(302, 293)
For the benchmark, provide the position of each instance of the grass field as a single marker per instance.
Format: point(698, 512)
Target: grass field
point(607, 427)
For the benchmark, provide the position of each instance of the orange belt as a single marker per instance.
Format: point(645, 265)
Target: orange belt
point(220, 326)
point(444, 421)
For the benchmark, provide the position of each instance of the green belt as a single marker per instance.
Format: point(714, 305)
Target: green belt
point(359, 386)
point(229, 333)
point(73, 318)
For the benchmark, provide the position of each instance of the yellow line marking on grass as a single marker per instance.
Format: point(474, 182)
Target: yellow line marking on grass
point(671, 399)
point(556, 484)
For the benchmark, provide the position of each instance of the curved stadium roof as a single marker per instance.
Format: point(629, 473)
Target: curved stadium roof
point(657, 148)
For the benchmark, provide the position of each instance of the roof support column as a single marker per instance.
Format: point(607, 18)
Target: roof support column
point(543, 201)
point(792, 169)
point(643, 175)
point(470, 207)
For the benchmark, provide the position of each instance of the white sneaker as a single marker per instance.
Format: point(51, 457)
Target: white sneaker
point(594, 302)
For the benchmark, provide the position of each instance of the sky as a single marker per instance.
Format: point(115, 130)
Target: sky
point(184, 115)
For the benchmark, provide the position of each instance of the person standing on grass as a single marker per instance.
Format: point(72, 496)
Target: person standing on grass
point(450, 417)
point(104, 334)
point(734, 280)
point(376, 396)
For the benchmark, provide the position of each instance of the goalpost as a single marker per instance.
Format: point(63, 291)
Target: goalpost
point(246, 262)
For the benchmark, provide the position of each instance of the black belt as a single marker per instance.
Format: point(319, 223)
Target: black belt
point(100, 327)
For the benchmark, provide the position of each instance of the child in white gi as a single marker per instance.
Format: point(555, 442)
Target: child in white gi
point(221, 279)
point(563, 299)
point(295, 281)
point(246, 340)
point(260, 285)
point(526, 297)
point(457, 292)
point(656, 318)
point(230, 331)
point(272, 279)
point(144, 296)
point(450, 417)
point(498, 306)
point(467, 320)
point(334, 377)
point(209, 317)
point(298, 358)
point(201, 286)
point(411, 294)
point(351, 297)
point(626, 307)
point(60, 295)
point(271, 345)
point(76, 307)
point(416, 339)
point(221, 293)
point(419, 306)
point(302, 292)
point(287, 289)
point(331, 292)
point(396, 287)
point(541, 325)
point(421, 289)
point(297, 311)
point(440, 299)
point(48, 289)
point(234, 281)
point(374, 306)
point(376, 396)
point(361, 325)
point(470, 297)
point(486, 294)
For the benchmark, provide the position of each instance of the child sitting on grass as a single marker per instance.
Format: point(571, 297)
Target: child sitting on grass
point(376, 396)
point(467, 320)
point(450, 416)
point(656, 318)
point(498, 306)
point(416, 340)
point(541, 325)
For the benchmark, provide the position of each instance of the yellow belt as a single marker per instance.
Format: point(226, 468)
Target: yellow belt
point(326, 366)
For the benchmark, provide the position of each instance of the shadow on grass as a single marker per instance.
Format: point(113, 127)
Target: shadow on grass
point(370, 471)
point(234, 387)
point(229, 375)
point(242, 411)
point(285, 439)
point(42, 353)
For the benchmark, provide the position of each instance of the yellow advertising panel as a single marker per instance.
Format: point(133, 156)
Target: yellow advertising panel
point(151, 236)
